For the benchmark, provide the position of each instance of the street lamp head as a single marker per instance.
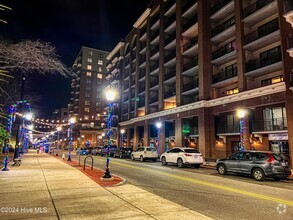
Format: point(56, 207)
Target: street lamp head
point(103, 134)
point(122, 131)
point(82, 136)
point(241, 113)
point(30, 127)
point(72, 120)
point(52, 132)
point(110, 94)
point(59, 128)
point(28, 116)
point(159, 124)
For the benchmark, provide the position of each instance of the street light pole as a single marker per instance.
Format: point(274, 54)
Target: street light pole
point(122, 131)
point(58, 141)
point(158, 125)
point(110, 95)
point(241, 114)
point(71, 122)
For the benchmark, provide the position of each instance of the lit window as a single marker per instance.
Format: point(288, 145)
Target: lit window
point(90, 53)
point(232, 91)
point(89, 60)
point(100, 69)
point(87, 102)
point(87, 95)
point(88, 88)
point(98, 103)
point(88, 74)
point(101, 56)
point(100, 62)
point(277, 79)
point(89, 67)
point(87, 109)
point(86, 117)
point(99, 76)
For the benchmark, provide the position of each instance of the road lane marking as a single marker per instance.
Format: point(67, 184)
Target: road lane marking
point(213, 185)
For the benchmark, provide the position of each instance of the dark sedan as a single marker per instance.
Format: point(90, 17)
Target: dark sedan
point(123, 152)
point(259, 164)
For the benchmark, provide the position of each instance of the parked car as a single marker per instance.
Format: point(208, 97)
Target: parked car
point(259, 164)
point(145, 153)
point(112, 149)
point(96, 150)
point(123, 152)
point(182, 156)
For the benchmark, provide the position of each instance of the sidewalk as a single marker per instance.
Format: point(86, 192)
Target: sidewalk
point(44, 187)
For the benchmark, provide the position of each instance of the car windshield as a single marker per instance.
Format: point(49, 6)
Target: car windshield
point(151, 149)
point(191, 151)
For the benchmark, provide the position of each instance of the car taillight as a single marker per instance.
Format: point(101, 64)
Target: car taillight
point(187, 155)
point(271, 159)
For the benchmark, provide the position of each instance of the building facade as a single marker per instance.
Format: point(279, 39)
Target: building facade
point(87, 99)
point(192, 65)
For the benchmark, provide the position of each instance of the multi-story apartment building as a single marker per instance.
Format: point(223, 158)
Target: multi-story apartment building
point(192, 64)
point(87, 100)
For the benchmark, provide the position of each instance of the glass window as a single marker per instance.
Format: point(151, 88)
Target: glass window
point(90, 53)
point(88, 74)
point(86, 117)
point(87, 109)
point(88, 88)
point(236, 156)
point(99, 76)
point(89, 67)
point(87, 95)
point(100, 62)
point(247, 156)
point(88, 81)
point(87, 102)
point(101, 56)
point(100, 69)
point(191, 151)
point(89, 60)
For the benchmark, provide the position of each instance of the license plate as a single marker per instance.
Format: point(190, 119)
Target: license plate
point(195, 157)
point(283, 164)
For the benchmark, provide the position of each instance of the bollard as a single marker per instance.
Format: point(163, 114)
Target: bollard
point(63, 156)
point(6, 160)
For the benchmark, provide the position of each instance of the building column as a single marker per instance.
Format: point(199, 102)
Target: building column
point(239, 42)
point(246, 133)
point(179, 138)
point(206, 132)
point(162, 137)
point(146, 135)
point(204, 49)
point(148, 64)
point(135, 138)
point(161, 58)
point(127, 137)
point(285, 30)
point(136, 73)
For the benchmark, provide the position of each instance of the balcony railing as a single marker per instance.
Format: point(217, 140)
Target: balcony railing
point(228, 128)
point(255, 7)
point(259, 63)
point(259, 34)
point(169, 92)
point(141, 87)
point(192, 63)
point(190, 44)
point(288, 6)
point(187, 4)
point(189, 23)
point(154, 82)
point(170, 56)
point(170, 37)
point(170, 20)
point(190, 85)
point(290, 41)
point(170, 75)
point(153, 99)
point(222, 51)
point(224, 75)
point(223, 26)
point(141, 103)
point(219, 5)
point(277, 124)
point(141, 73)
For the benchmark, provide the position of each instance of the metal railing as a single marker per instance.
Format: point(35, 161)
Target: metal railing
point(223, 26)
point(259, 63)
point(228, 128)
point(192, 63)
point(255, 7)
point(190, 44)
point(189, 22)
point(222, 51)
point(224, 75)
point(191, 85)
point(187, 5)
point(277, 124)
point(170, 56)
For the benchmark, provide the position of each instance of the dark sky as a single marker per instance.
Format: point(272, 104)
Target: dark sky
point(68, 25)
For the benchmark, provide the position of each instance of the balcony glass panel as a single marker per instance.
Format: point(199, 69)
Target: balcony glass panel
point(229, 72)
point(276, 124)
point(223, 26)
point(224, 50)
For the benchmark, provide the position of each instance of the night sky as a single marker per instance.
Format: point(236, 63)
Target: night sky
point(68, 25)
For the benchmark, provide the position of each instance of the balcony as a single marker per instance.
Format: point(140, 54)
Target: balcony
point(290, 45)
point(188, 6)
point(262, 66)
point(141, 88)
point(153, 99)
point(225, 78)
point(170, 22)
point(190, 48)
point(141, 74)
point(224, 54)
point(224, 31)
point(228, 129)
point(277, 124)
point(169, 38)
point(170, 58)
point(154, 83)
point(169, 75)
point(154, 69)
point(155, 36)
point(125, 74)
point(288, 9)
point(189, 23)
point(191, 87)
point(190, 68)
point(141, 103)
point(259, 11)
point(155, 53)
point(261, 38)
point(222, 9)
point(169, 92)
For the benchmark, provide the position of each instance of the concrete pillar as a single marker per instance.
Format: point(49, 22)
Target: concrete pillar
point(135, 138)
point(240, 42)
point(206, 132)
point(204, 49)
point(147, 72)
point(285, 30)
point(137, 74)
point(127, 137)
point(161, 59)
point(162, 137)
point(179, 58)
point(146, 135)
point(246, 133)
point(179, 138)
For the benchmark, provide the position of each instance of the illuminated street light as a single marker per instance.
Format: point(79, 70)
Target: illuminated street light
point(122, 131)
point(71, 122)
point(159, 126)
point(28, 116)
point(241, 114)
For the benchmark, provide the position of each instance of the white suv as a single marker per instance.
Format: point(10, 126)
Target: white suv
point(181, 156)
point(144, 153)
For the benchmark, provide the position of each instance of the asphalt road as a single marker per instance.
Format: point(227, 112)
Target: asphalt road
point(205, 191)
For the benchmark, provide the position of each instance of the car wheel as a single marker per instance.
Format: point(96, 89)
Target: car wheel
point(222, 169)
point(164, 162)
point(141, 158)
point(121, 156)
point(258, 174)
point(132, 157)
point(196, 165)
point(180, 163)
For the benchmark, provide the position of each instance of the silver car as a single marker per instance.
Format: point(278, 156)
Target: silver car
point(259, 164)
